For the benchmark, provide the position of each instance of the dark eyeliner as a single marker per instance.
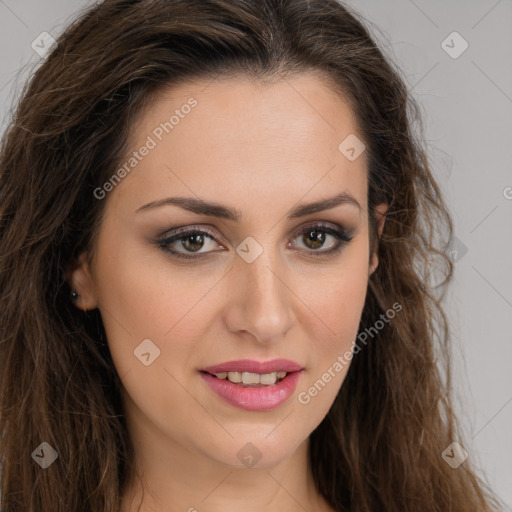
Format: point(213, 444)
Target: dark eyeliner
point(163, 242)
point(343, 237)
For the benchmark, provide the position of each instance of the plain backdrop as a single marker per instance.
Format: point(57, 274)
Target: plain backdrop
point(463, 81)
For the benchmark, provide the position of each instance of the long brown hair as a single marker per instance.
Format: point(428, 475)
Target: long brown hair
point(379, 448)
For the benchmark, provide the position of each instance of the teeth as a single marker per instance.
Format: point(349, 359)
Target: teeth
point(268, 378)
point(248, 378)
point(235, 377)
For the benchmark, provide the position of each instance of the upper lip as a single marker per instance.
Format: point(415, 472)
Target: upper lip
point(251, 366)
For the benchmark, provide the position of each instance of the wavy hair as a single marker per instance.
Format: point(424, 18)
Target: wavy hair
point(379, 447)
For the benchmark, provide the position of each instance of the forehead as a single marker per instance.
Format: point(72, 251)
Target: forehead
point(242, 138)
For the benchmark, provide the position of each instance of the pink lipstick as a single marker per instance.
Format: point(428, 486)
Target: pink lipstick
point(253, 385)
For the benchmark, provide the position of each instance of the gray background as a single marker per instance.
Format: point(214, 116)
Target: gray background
point(467, 107)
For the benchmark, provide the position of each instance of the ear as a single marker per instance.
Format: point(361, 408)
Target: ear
point(80, 279)
point(380, 210)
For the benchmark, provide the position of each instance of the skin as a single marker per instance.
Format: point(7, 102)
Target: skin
point(261, 149)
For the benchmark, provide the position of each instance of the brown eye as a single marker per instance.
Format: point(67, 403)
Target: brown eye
point(193, 242)
point(313, 239)
point(183, 243)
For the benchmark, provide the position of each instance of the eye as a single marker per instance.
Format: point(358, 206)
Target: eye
point(188, 240)
point(188, 243)
point(315, 237)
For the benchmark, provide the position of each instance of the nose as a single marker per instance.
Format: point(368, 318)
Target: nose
point(260, 301)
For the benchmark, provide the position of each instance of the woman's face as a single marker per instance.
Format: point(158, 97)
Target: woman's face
point(248, 167)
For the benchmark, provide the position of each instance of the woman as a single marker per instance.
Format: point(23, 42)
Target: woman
point(217, 225)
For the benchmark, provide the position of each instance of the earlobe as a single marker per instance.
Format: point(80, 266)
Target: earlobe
point(381, 210)
point(373, 264)
point(80, 280)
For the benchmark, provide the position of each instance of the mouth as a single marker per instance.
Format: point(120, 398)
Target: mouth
point(253, 385)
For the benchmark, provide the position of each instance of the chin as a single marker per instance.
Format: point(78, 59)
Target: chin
point(255, 452)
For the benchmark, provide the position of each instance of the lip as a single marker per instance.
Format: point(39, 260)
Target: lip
point(252, 366)
point(262, 398)
point(257, 398)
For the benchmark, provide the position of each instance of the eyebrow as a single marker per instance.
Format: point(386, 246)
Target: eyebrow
point(202, 207)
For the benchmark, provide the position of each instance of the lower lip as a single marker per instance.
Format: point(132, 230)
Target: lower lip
point(254, 399)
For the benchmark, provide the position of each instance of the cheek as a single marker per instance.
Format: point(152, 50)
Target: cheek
point(148, 298)
point(337, 296)
point(142, 301)
point(337, 300)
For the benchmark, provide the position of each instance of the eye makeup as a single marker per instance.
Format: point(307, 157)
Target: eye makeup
point(190, 236)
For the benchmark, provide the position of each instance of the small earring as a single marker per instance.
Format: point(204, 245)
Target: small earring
point(74, 295)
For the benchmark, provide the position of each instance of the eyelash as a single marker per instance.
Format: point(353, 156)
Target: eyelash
point(341, 235)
